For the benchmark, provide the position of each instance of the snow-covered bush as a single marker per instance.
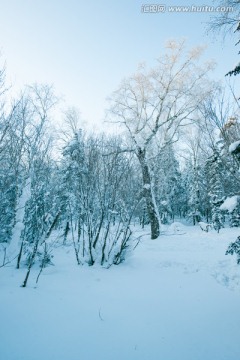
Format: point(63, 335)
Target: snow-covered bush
point(232, 207)
point(176, 227)
point(234, 248)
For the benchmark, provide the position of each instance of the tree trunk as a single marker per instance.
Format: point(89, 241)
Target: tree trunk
point(31, 262)
point(149, 196)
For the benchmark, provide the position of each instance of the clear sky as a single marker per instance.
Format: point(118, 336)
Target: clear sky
point(85, 48)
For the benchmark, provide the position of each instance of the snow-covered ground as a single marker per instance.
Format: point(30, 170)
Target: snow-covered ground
point(175, 298)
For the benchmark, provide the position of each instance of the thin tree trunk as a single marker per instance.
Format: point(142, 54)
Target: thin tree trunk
point(105, 241)
point(99, 230)
point(76, 249)
point(31, 262)
point(149, 196)
point(20, 255)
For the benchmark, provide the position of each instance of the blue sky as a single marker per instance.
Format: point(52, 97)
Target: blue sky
point(86, 48)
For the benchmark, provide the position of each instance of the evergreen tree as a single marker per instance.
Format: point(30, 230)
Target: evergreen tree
point(167, 184)
point(234, 248)
point(8, 197)
point(235, 216)
point(41, 215)
point(216, 191)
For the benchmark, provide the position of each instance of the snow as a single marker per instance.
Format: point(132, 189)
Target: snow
point(176, 227)
point(175, 298)
point(234, 146)
point(230, 203)
point(147, 186)
point(204, 226)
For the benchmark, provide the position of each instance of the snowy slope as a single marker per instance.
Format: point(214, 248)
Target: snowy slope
point(175, 298)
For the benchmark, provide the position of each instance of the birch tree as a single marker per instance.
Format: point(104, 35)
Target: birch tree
point(153, 105)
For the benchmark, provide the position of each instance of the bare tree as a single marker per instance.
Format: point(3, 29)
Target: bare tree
point(220, 121)
point(98, 188)
point(156, 103)
point(227, 22)
point(227, 19)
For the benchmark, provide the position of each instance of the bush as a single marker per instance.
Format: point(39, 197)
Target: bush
point(234, 248)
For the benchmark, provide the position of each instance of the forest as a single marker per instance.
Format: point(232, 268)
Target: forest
point(176, 158)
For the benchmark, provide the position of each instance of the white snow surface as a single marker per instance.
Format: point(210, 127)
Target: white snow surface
point(147, 186)
point(204, 226)
point(230, 203)
point(174, 298)
point(233, 146)
point(175, 228)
